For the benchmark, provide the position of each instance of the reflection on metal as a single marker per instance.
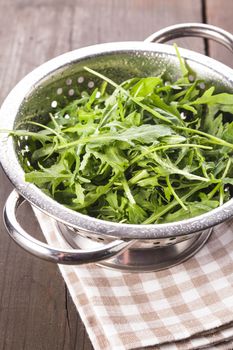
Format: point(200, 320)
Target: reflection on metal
point(157, 246)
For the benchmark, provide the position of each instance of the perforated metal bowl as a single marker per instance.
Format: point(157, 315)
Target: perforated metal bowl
point(124, 246)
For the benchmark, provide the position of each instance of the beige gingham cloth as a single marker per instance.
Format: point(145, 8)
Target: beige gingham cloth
point(189, 306)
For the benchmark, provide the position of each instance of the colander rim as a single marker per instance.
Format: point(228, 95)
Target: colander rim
point(39, 199)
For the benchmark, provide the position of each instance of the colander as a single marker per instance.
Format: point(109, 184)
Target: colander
point(122, 246)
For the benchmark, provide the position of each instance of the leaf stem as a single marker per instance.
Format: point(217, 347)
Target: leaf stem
point(29, 133)
point(175, 194)
point(127, 191)
point(47, 128)
point(134, 99)
point(227, 168)
point(215, 139)
point(158, 148)
point(219, 185)
point(155, 216)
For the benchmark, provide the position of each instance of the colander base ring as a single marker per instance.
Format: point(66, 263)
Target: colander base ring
point(142, 259)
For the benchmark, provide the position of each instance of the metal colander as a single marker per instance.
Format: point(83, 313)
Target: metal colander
point(61, 80)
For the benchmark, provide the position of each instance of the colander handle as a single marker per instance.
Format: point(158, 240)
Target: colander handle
point(46, 252)
point(206, 31)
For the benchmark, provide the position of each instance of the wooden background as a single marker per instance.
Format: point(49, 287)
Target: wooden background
point(36, 311)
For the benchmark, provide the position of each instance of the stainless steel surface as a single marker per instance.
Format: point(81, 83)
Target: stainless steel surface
point(44, 251)
point(39, 90)
point(141, 256)
point(55, 82)
point(193, 29)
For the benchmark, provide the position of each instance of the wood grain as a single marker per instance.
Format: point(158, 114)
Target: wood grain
point(36, 311)
point(119, 20)
point(219, 13)
point(33, 301)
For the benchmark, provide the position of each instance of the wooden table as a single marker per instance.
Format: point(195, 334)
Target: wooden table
point(36, 311)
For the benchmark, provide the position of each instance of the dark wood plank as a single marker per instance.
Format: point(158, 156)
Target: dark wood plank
point(219, 13)
point(35, 310)
point(32, 299)
point(33, 306)
point(119, 20)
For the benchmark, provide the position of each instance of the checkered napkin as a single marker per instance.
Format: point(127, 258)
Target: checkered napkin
point(189, 306)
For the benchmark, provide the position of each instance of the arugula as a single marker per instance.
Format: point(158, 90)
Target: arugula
point(152, 151)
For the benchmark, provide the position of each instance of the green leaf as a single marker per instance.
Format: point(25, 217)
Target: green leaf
point(145, 86)
point(173, 139)
point(80, 196)
point(227, 133)
point(145, 133)
point(183, 67)
point(193, 209)
point(136, 214)
point(209, 98)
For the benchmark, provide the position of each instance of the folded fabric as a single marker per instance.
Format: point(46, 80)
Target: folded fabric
point(188, 306)
point(220, 338)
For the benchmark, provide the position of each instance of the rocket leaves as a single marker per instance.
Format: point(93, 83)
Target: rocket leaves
point(152, 151)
